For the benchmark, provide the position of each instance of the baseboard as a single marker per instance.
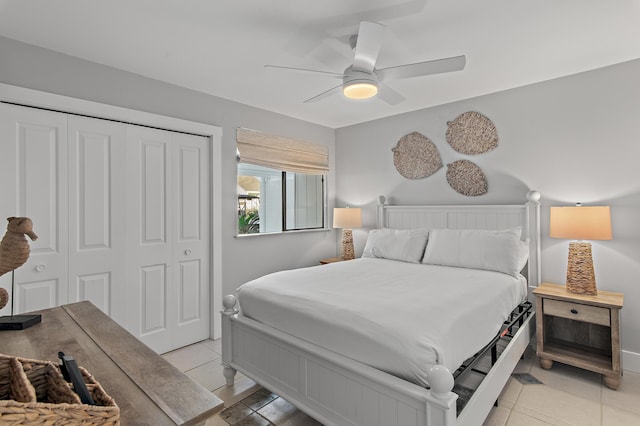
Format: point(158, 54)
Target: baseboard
point(631, 361)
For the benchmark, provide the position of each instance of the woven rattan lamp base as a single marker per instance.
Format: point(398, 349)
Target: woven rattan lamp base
point(581, 278)
point(347, 251)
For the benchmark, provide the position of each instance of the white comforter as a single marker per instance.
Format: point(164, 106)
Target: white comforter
point(398, 317)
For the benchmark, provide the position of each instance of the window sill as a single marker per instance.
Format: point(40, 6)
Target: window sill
point(298, 231)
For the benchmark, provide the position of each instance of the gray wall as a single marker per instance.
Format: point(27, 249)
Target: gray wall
point(242, 258)
point(574, 139)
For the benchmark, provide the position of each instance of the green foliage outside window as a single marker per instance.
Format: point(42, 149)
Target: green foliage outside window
point(249, 222)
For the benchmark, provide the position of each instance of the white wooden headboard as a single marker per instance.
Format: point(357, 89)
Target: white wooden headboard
point(492, 217)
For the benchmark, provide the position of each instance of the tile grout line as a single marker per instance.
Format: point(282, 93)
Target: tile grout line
point(601, 402)
point(515, 401)
point(201, 365)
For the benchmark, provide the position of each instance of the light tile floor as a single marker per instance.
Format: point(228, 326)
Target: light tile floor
point(566, 395)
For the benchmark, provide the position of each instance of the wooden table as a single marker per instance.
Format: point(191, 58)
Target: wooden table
point(147, 388)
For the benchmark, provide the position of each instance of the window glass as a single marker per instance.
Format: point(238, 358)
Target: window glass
point(271, 200)
point(304, 195)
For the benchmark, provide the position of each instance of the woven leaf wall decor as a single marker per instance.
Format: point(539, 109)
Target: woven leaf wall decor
point(4, 297)
point(416, 157)
point(466, 178)
point(472, 133)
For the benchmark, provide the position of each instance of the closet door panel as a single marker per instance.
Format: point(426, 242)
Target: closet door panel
point(150, 306)
point(191, 201)
point(37, 295)
point(97, 214)
point(153, 192)
point(153, 286)
point(34, 171)
point(96, 288)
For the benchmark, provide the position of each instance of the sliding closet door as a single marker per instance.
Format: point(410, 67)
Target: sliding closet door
point(168, 255)
point(97, 214)
point(33, 176)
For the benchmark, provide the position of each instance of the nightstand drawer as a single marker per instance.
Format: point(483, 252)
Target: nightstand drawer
point(578, 312)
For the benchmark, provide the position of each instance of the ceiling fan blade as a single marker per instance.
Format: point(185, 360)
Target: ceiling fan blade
point(332, 74)
point(368, 46)
point(323, 94)
point(388, 95)
point(455, 63)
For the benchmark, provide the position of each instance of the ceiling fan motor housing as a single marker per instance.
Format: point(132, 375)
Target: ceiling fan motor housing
point(359, 84)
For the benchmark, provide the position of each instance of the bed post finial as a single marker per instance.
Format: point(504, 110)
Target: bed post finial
point(442, 411)
point(381, 199)
point(441, 381)
point(533, 196)
point(229, 303)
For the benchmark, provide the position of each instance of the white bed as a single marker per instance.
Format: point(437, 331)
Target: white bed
point(318, 371)
point(398, 317)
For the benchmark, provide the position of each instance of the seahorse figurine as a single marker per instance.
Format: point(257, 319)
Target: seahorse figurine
point(14, 247)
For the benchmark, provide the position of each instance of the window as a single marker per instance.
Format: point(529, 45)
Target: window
point(281, 183)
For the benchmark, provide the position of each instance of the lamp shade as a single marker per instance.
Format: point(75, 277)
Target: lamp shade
point(347, 218)
point(580, 222)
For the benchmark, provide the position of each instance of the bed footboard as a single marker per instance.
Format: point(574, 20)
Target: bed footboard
point(333, 389)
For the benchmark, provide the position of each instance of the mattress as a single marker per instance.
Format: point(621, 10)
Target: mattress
point(398, 317)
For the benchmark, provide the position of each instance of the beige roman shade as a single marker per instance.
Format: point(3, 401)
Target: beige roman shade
point(281, 153)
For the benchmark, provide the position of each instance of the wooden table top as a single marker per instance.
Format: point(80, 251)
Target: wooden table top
point(147, 388)
point(607, 299)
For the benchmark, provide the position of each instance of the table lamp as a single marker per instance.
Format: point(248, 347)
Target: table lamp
point(580, 223)
point(347, 218)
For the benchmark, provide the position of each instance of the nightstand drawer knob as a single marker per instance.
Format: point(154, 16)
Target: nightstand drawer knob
point(574, 311)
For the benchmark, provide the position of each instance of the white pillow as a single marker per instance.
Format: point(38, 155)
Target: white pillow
point(474, 248)
point(523, 254)
point(406, 245)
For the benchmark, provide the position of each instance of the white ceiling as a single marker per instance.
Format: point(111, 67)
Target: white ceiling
point(220, 47)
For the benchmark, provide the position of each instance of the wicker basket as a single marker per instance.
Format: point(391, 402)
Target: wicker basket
point(34, 392)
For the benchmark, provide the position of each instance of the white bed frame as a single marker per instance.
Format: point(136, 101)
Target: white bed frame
point(337, 390)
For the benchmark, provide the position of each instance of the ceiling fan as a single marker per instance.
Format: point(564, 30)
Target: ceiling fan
point(362, 80)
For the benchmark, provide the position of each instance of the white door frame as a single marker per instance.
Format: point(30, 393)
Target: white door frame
point(66, 104)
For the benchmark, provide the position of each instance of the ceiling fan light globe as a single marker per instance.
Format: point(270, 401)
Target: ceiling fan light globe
point(360, 89)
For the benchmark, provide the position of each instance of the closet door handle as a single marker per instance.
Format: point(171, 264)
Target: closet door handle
point(40, 268)
point(187, 252)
